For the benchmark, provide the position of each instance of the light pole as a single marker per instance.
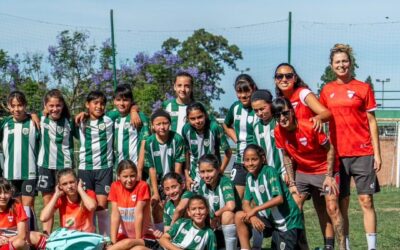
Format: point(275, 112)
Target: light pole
point(383, 89)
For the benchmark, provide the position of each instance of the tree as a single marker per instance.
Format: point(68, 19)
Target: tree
point(369, 81)
point(207, 53)
point(73, 63)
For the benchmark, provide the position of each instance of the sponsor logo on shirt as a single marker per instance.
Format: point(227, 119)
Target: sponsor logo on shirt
point(332, 95)
point(174, 113)
point(216, 199)
point(294, 104)
point(11, 131)
point(350, 93)
point(102, 126)
point(25, 131)
point(193, 142)
point(237, 117)
point(303, 141)
point(10, 218)
point(156, 153)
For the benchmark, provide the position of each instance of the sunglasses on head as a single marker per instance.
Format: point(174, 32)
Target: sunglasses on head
point(288, 76)
point(284, 113)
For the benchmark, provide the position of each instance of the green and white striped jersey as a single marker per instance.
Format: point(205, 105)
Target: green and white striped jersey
point(212, 141)
point(164, 156)
point(128, 138)
point(187, 236)
point(177, 112)
point(264, 135)
point(56, 143)
point(96, 144)
point(169, 208)
point(242, 120)
point(20, 146)
point(217, 198)
point(263, 188)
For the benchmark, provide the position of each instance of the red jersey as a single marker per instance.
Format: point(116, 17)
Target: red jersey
point(75, 215)
point(304, 145)
point(301, 110)
point(349, 126)
point(126, 201)
point(9, 219)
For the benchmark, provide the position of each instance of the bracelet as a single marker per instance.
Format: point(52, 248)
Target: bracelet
point(292, 183)
point(329, 175)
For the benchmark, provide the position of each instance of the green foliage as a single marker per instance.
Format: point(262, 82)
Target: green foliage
point(208, 53)
point(149, 93)
point(369, 81)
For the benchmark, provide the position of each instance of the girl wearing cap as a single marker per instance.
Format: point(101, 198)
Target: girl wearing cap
point(164, 153)
point(354, 134)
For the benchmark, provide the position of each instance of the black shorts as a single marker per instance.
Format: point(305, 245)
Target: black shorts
point(292, 239)
point(267, 232)
point(361, 168)
point(47, 180)
point(238, 174)
point(151, 243)
point(98, 180)
point(24, 187)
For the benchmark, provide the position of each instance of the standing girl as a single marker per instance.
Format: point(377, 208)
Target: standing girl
point(238, 125)
point(306, 105)
point(130, 209)
point(75, 205)
point(20, 145)
point(178, 198)
point(56, 145)
point(222, 198)
point(202, 136)
point(183, 87)
point(354, 133)
point(193, 233)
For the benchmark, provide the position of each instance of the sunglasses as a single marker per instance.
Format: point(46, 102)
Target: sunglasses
point(284, 113)
point(288, 76)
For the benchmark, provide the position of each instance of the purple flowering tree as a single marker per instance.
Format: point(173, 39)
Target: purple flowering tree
point(73, 63)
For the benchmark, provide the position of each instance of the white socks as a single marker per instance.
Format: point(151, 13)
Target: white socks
point(257, 239)
point(347, 242)
point(103, 222)
point(230, 236)
point(371, 240)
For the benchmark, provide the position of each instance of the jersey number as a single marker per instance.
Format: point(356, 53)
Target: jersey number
point(43, 181)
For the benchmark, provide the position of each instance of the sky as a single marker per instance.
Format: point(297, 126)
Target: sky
point(258, 27)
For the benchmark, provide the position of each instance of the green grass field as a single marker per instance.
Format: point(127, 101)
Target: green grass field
point(387, 204)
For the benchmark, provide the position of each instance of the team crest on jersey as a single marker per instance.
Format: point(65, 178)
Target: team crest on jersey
point(332, 95)
point(10, 218)
point(216, 199)
point(282, 246)
point(28, 188)
point(60, 129)
point(303, 141)
point(350, 93)
point(156, 153)
point(261, 188)
point(197, 239)
point(25, 131)
point(107, 188)
point(102, 126)
point(206, 142)
point(133, 197)
point(237, 117)
point(294, 104)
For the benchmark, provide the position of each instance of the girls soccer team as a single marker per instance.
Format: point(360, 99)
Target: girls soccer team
point(171, 191)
